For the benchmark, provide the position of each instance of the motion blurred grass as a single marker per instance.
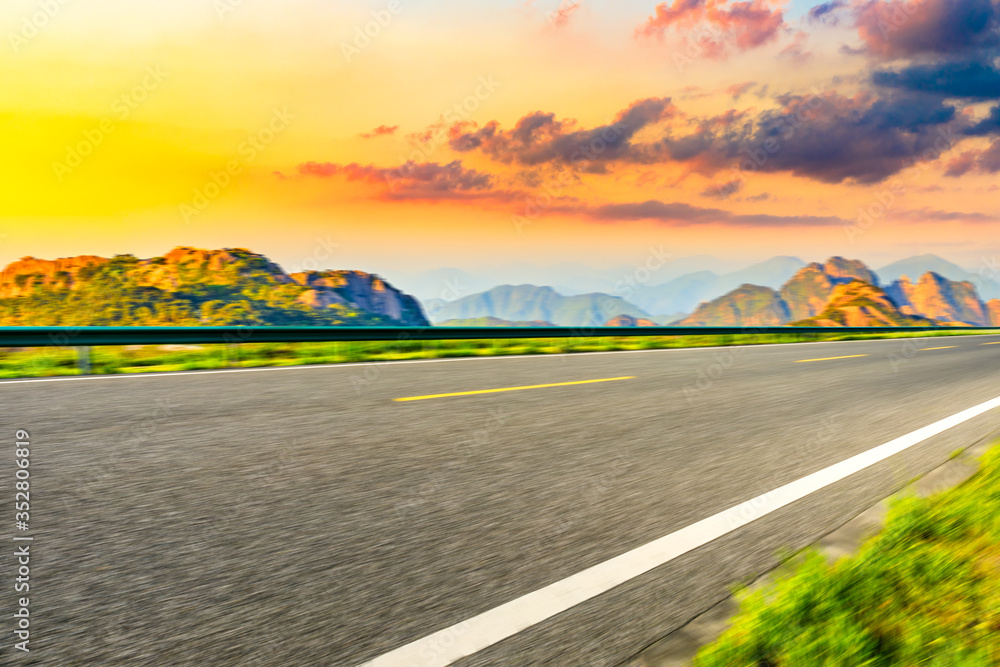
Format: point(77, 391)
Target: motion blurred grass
point(44, 362)
point(925, 591)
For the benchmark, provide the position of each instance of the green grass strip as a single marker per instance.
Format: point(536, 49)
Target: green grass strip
point(924, 591)
point(43, 362)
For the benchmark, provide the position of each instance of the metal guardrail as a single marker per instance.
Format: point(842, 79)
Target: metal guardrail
point(82, 338)
point(85, 336)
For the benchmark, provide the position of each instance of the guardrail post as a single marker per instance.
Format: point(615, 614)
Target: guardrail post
point(83, 359)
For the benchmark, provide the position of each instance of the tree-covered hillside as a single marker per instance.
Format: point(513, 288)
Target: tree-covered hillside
point(194, 287)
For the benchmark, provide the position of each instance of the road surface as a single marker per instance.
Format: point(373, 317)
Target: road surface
point(306, 516)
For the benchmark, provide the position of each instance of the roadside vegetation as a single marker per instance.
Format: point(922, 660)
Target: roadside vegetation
point(924, 591)
point(42, 362)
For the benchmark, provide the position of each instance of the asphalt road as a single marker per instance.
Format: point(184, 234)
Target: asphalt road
point(304, 517)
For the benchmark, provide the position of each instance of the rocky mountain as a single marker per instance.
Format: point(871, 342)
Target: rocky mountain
point(993, 308)
point(807, 292)
point(748, 305)
point(831, 294)
point(190, 286)
point(23, 276)
point(985, 278)
point(359, 290)
point(861, 304)
point(937, 297)
point(844, 270)
point(629, 321)
point(531, 302)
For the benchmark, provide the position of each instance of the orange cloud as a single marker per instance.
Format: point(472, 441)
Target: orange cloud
point(380, 131)
point(722, 26)
point(560, 17)
point(540, 137)
point(414, 180)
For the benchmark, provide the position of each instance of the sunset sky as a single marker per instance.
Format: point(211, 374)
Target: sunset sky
point(483, 133)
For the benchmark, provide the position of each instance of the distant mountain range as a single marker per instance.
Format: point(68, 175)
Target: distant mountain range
point(844, 292)
point(673, 299)
point(567, 278)
point(191, 286)
point(534, 303)
point(236, 286)
point(685, 292)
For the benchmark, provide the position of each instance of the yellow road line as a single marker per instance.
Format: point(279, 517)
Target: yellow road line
point(850, 356)
point(924, 349)
point(492, 391)
point(997, 342)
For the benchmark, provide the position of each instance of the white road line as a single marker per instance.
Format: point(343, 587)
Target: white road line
point(302, 367)
point(450, 644)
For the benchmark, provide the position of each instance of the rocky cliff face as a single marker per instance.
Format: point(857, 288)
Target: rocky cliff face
point(629, 321)
point(748, 305)
point(993, 308)
point(843, 292)
point(22, 276)
point(191, 277)
point(358, 289)
point(808, 291)
point(937, 297)
point(860, 304)
point(843, 270)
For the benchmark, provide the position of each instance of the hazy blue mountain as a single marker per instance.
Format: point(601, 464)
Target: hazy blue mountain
point(568, 278)
point(918, 265)
point(680, 294)
point(532, 302)
point(913, 267)
point(684, 293)
point(446, 284)
point(433, 306)
point(771, 273)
